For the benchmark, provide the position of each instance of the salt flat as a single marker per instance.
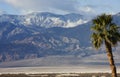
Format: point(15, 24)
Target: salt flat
point(62, 69)
point(60, 64)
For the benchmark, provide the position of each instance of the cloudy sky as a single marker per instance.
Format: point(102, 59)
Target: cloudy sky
point(60, 6)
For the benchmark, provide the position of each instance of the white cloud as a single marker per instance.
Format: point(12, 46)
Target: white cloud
point(2, 12)
point(87, 9)
point(45, 5)
point(61, 6)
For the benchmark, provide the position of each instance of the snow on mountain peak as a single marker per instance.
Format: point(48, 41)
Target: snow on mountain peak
point(73, 24)
point(46, 19)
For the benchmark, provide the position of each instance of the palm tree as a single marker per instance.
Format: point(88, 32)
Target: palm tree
point(108, 33)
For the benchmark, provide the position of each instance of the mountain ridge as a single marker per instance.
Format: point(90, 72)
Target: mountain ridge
point(45, 18)
point(18, 41)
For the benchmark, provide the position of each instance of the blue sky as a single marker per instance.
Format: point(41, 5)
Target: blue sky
point(60, 6)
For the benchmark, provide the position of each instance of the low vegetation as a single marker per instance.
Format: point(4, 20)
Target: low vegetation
point(59, 75)
point(14, 75)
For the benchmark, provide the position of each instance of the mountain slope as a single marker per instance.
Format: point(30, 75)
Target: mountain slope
point(45, 19)
point(23, 42)
point(19, 40)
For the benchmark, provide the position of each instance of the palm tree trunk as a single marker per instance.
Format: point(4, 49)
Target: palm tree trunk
point(110, 58)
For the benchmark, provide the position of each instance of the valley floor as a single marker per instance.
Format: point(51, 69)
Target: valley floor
point(61, 69)
point(60, 75)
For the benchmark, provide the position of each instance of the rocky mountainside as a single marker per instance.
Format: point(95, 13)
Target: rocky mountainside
point(39, 35)
point(46, 19)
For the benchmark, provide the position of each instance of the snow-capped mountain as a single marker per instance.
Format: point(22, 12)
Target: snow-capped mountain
point(46, 19)
point(45, 34)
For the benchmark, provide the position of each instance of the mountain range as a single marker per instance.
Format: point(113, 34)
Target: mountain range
point(38, 35)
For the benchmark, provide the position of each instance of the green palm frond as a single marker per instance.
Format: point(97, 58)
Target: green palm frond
point(97, 40)
point(96, 28)
point(104, 30)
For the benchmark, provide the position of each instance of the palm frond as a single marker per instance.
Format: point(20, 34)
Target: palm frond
point(97, 40)
point(104, 30)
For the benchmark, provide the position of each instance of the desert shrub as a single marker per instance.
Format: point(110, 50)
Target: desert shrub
point(14, 75)
point(60, 75)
